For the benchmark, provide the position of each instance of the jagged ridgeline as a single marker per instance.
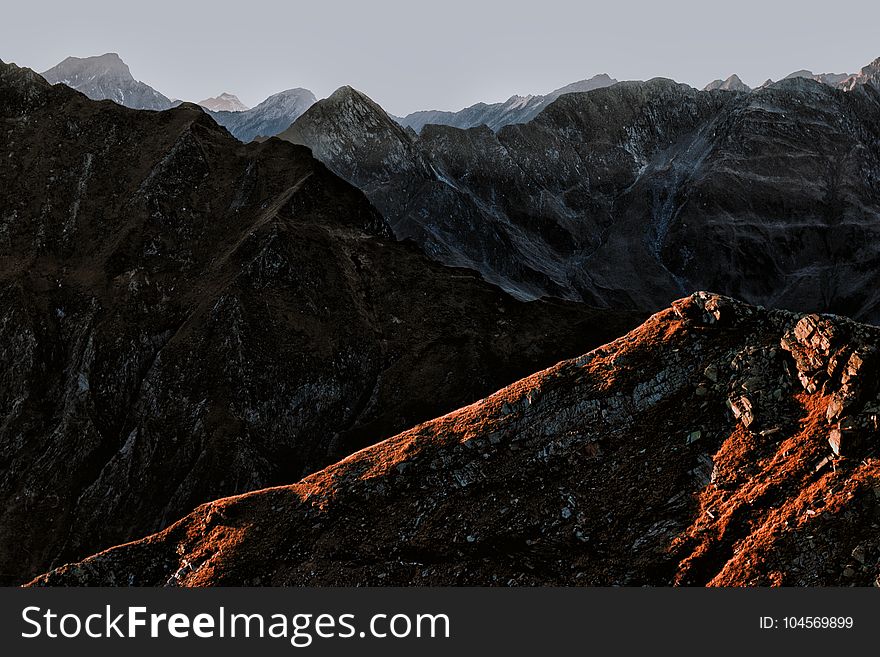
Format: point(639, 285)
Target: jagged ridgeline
point(621, 195)
point(186, 317)
point(717, 444)
point(638, 193)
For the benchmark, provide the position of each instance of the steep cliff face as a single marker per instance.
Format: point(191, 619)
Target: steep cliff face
point(632, 195)
point(717, 444)
point(869, 75)
point(186, 317)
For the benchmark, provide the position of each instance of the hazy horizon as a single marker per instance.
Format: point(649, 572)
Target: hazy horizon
point(408, 58)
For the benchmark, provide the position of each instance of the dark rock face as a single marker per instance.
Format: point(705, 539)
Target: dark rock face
point(516, 109)
point(106, 77)
point(186, 317)
point(695, 450)
point(633, 195)
point(270, 117)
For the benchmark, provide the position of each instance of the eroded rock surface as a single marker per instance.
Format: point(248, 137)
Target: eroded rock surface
point(623, 466)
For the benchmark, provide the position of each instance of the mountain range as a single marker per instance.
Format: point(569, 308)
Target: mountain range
point(516, 109)
point(186, 317)
point(632, 195)
point(361, 354)
point(268, 118)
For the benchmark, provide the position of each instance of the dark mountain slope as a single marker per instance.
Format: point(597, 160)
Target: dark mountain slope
point(717, 444)
point(361, 143)
point(522, 206)
point(186, 317)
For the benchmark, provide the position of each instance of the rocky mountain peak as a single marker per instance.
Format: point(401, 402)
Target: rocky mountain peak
point(270, 117)
point(288, 98)
point(349, 121)
point(106, 77)
point(225, 102)
point(75, 68)
point(869, 74)
point(732, 83)
point(596, 82)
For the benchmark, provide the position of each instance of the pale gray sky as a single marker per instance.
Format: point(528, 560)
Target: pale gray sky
point(444, 54)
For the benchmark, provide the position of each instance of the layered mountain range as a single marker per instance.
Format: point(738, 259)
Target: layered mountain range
point(634, 194)
point(516, 109)
point(718, 444)
point(186, 317)
point(270, 117)
point(191, 323)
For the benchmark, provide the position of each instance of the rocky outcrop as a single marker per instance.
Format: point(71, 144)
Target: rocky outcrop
point(186, 317)
point(106, 77)
point(635, 194)
point(869, 75)
point(710, 446)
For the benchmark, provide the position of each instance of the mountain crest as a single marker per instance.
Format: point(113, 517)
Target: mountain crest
point(225, 102)
point(107, 77)
point(733, 83)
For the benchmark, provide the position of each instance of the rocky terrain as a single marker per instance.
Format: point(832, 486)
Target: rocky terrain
point(869, 75)
point(636, 194)
point(718, 444)
point(186, 317)
point(225, 102)
point(516, 109)
point(106, 77)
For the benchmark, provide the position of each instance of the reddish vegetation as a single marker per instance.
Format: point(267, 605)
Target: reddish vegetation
point(686, 452)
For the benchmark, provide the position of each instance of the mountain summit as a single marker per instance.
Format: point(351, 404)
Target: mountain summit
point(733, 83)
point(869, 75)
point(270, 117)
point(107, 77)
point(224, 103)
